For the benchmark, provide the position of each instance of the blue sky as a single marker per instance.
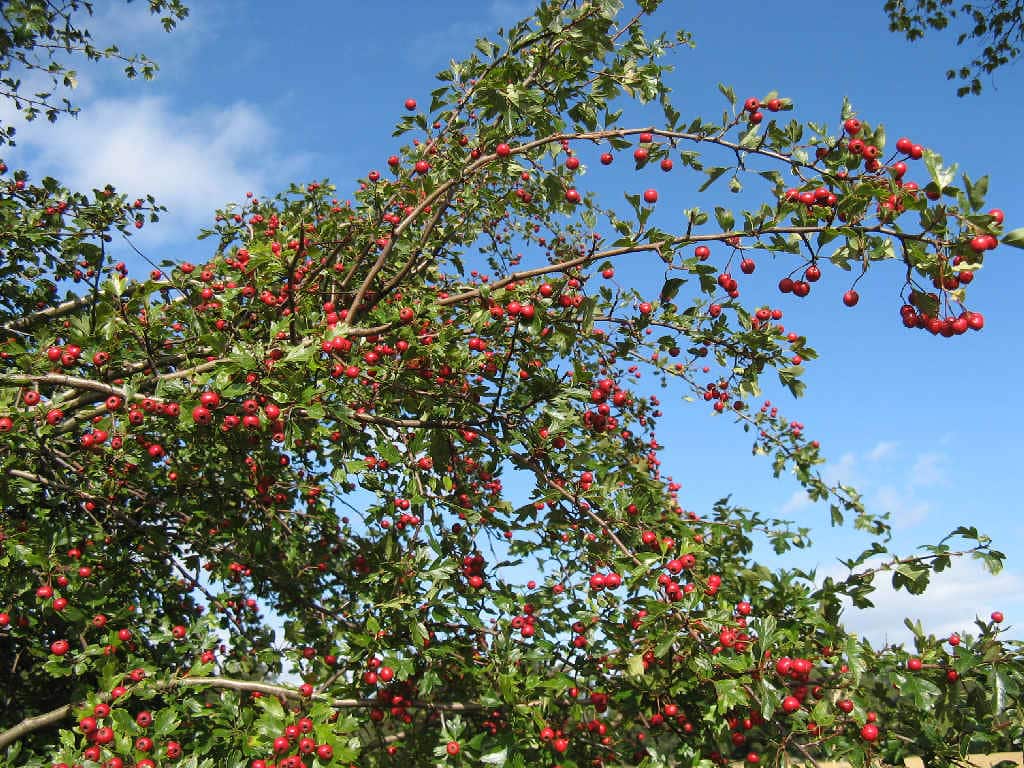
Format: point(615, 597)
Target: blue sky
point(250, 98)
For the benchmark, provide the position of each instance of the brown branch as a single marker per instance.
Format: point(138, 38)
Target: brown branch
point(37, 722)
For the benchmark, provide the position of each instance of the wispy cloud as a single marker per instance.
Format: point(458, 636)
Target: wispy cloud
point(927, 471)
point(883, 449)
point(906, 510)
point(797, 501)
point(953, 600)
point(192, 161)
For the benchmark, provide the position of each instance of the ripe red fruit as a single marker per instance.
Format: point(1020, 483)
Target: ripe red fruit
point(144, 718)
point(997, 215)
point(850, 298)
point(410, 104)
point(572, 196)
point(325, 752)
point(790, 704)
point(202, 415)
point(452, 748)
point(747, 266)
point(209, 399)
point(914, 664)
point(702, 252)
point(646, 138)
point(852, 126)
point(87, 724)
point(640, 155)
point(31, 397)
point(59, 647)
point(645, 308)
point(752, 104)
point(666, 164)
point(572, 163)
point(503, 150)
point(845, 705)
point(904, 145)
point(173, 750)
point(650, 196)
point(869, 732)
point(997, 617)
point(104, 735)
point(421, 167)
point(306, 689)
point(606, 158)
point(812, 274)
point(560, 744)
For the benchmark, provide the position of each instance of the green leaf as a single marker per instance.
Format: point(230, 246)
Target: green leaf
point(713, 175)
point(725, 218)
point(495, 758)
point(1014, 238)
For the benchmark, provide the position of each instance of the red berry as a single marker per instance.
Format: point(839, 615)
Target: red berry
point(997, 617)
point(850, 298)
point(650, 196)
point(452, 748)
point(59, 647)
point(410, 104)
point(869, 732)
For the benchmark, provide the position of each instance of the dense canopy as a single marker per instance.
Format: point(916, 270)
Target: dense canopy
point(377, 479)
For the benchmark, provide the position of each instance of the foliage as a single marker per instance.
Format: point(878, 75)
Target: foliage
point(36, 34)
point(996, 27)
point(408, 433)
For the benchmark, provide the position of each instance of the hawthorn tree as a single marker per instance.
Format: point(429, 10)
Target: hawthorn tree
point(996, 29)
point(410, 434)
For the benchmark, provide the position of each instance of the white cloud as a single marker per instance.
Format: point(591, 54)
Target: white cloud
point(193, 161)
point(797, 501)
point(842, 471)
point(882, 449)
point(906, 511)
point(927, 470)
point(953, 600)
